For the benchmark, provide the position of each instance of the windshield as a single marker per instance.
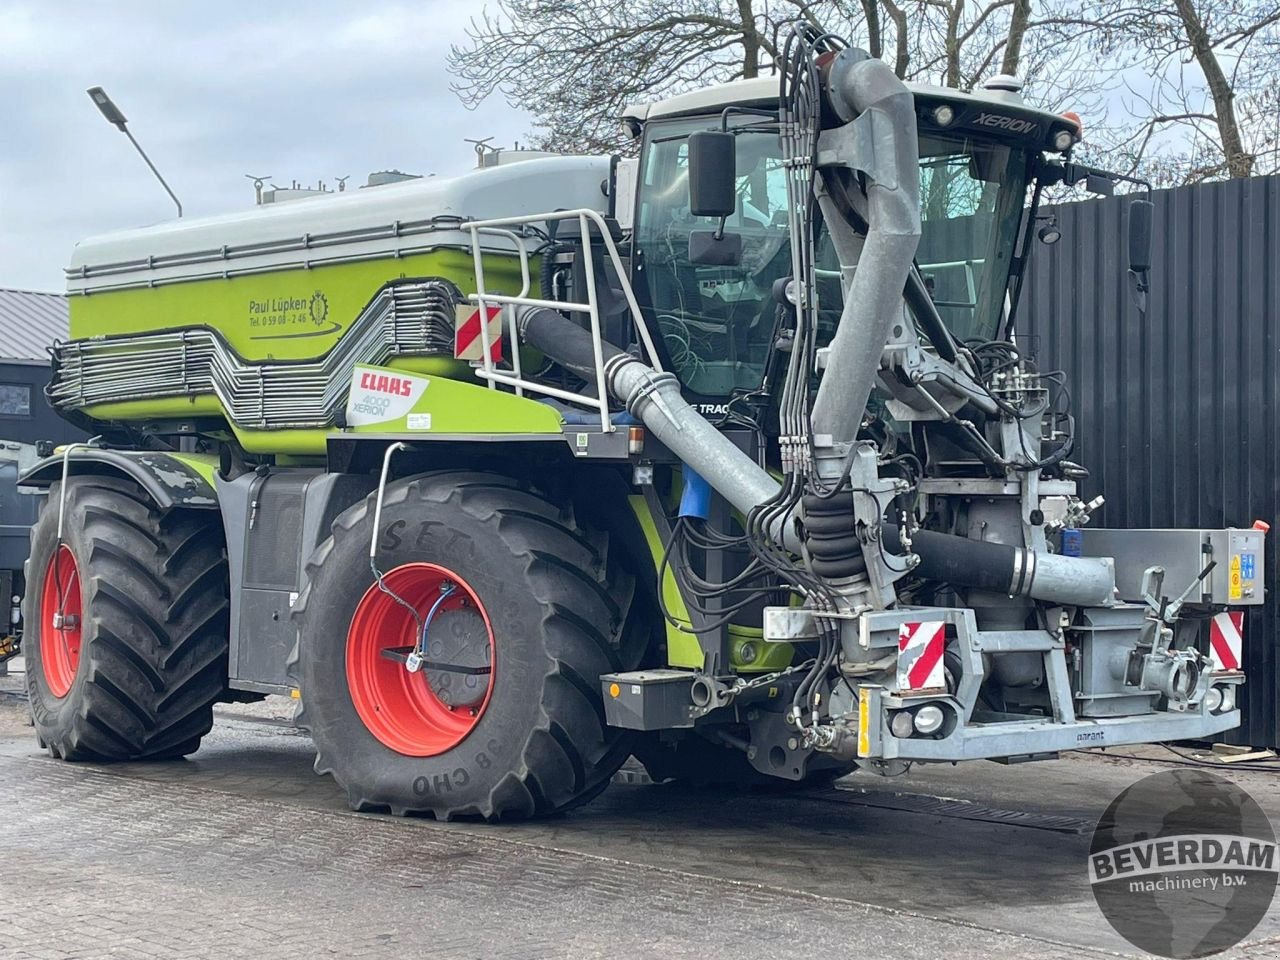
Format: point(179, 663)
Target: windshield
point(716, 322)
point(971, 202)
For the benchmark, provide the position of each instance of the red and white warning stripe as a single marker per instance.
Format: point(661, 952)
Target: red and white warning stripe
point(920, 649)
point(1226, 638)
point(467, 344)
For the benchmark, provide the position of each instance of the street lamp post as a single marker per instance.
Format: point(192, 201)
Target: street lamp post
point(117, 119)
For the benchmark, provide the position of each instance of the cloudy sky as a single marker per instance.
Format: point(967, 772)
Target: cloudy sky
point(297, 90)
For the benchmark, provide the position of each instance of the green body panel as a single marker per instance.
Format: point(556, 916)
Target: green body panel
point(197, 405)
point(204, 464)
point(286, 315)
point(769, 657)
point(456, 407)
point(683, 649)
point(453, 407)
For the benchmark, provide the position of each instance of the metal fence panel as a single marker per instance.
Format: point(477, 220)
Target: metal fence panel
point(1176, 413)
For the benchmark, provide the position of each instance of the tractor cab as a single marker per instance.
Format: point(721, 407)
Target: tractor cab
point(979, 156)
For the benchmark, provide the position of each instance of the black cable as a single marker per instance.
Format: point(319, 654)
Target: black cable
point(1185, 760)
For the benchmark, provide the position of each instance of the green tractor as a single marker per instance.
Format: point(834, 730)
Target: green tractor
point(726, 457)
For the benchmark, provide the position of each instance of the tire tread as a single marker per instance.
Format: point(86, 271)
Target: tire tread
point(156, 626)
point(587, 598)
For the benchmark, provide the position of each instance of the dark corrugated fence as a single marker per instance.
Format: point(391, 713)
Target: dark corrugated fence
point(1176, 414)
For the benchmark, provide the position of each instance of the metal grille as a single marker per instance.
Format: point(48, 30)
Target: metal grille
point(405, 318)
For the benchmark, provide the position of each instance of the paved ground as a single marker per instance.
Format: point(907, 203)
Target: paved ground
point(243, 852)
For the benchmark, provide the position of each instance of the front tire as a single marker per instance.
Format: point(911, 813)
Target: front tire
point(505, 718)
point(126, 624)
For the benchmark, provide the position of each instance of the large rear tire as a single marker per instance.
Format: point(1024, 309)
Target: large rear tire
point(125, 624)
point(505, 718)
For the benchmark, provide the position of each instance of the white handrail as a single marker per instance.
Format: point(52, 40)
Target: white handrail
point(483, 298)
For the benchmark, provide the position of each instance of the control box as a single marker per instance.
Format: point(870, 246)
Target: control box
point(1237, 556)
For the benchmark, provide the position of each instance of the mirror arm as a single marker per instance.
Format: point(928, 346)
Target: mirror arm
point(744, 111)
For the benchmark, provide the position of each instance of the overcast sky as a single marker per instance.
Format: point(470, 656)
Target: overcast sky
point(297, 90)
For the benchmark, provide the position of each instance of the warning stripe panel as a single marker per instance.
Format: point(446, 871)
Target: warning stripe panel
point(920, 650)
point(1226, 640)
point(467, 344)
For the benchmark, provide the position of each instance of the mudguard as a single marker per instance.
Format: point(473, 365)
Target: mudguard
point(171, 480)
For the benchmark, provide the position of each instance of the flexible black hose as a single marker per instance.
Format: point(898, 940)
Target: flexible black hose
point(979, 564)
point(547, 269)
point(563, 341)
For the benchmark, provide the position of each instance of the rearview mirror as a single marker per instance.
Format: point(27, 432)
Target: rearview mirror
point(1102, 185)
point(715, 248)
point(711, 174)
point(1140, 235)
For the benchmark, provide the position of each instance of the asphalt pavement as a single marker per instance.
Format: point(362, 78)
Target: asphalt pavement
point(242, 851)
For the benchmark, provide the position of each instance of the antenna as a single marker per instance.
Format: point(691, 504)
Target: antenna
point(482, 148)
point(258, 183)
point(117, 119)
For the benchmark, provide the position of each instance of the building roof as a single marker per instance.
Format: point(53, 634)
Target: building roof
point(30, 322)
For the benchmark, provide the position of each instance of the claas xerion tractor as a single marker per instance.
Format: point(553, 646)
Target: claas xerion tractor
point(727, 458)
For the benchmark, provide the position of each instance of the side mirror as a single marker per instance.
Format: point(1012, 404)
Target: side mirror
point(712, 190)
point(714, 248)
point(1140, 235)
point(1101, 185)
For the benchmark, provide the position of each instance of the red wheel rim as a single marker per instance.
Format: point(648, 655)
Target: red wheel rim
point(61, 607)
point(431, 711)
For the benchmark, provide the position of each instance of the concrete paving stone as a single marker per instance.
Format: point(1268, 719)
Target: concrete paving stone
point(243, 852)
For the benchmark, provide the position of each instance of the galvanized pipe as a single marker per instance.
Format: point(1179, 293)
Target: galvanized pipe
point(655, 399)
point(867, 91)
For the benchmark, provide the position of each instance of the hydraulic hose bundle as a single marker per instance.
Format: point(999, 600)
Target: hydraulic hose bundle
point(803, 531)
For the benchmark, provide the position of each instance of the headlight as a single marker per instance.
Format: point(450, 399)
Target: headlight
point(929, 719)
point(1213, 699)
point(1228, 698)
point(900, 725)
point(944, 115)
point(1062, 141)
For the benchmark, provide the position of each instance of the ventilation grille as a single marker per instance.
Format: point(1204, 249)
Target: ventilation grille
point(406, 318)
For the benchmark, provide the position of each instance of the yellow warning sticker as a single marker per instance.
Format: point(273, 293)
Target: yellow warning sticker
point(864, 725)
point(1234, 590)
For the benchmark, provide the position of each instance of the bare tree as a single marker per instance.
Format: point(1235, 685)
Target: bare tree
point(575, 64)
point(1205, 107)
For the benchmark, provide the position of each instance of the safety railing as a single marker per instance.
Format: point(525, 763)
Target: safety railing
point(483, 298)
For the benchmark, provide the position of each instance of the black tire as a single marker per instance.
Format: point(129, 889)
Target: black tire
point(153, 630)
point(558, 603)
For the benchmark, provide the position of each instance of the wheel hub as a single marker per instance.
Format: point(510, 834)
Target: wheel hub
point(420, 696)
point(61, 608)
point(457, 657)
